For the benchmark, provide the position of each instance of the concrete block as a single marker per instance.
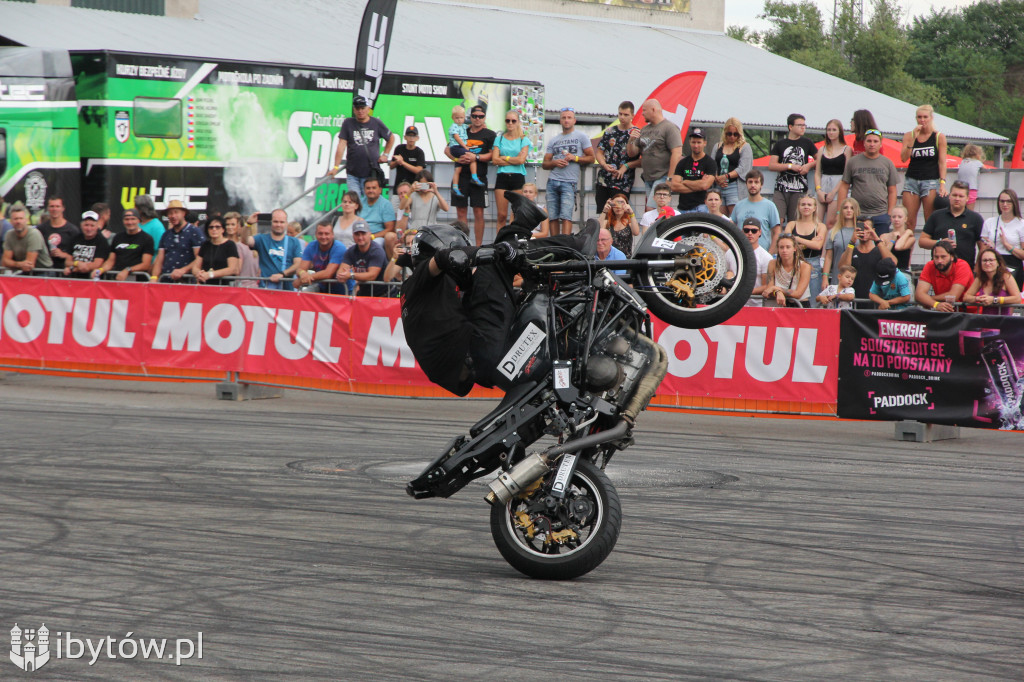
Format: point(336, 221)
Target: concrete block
point(919, 432)
point(231, 390)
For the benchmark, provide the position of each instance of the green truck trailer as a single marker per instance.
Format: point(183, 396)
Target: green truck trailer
point(105, 126)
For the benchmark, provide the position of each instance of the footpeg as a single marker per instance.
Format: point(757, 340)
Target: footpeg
point(508, 484)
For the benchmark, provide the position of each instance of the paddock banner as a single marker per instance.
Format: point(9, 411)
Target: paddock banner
point(759, 354)
point(940, 368)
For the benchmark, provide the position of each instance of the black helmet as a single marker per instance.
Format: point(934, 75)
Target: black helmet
point(433, 238)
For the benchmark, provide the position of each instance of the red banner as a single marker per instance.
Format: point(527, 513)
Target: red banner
point(760, 354)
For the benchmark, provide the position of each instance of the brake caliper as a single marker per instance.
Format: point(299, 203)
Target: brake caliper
point(560, 537)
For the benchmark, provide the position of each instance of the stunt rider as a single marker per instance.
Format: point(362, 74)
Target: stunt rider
point(456, 316)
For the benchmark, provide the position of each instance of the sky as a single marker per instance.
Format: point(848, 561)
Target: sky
point(744, 12)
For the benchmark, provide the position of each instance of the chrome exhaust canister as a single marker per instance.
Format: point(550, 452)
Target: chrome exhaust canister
point(508, 484)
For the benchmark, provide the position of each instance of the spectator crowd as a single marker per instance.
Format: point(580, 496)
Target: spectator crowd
point(837, 232)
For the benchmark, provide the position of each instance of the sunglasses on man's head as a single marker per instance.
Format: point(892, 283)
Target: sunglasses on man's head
point(872, 131)
point(564, 109)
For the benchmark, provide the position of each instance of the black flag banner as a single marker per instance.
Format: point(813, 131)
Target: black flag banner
point(939, 368)
point(372, 47)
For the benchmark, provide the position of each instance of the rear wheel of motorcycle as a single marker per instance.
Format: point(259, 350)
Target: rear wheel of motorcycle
point(714, 308)
point(590, 490)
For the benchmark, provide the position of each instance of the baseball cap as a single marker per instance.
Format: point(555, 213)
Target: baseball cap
point(359, 101)
point(885, 269)
point(752, 221)
point(698, 132)
point(132, 211)
point(360, 226)
point(90, 215)
point(412, 130)
point(478, 107)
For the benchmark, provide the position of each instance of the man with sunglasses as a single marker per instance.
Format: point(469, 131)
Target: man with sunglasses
point(871, 179)
point(472, 194)
point(567, 152)
point(752, 231)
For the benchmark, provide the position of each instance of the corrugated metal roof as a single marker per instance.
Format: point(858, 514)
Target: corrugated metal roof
point(588, 63)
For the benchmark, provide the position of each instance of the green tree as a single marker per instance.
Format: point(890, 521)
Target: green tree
point(974, 56)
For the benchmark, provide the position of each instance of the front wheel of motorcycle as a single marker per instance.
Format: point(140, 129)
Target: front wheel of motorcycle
point(716, 281)
point(551, 539)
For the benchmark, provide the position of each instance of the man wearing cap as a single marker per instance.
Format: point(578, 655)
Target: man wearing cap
point(279, 253)
point(891, 288)
point(659, 144)
point(566, 154)
point(958, 224)
point(470, 193)
point(89, 249)
point(24, 247)
point(871, 179)
point(408, 159)
point(57, 231)
point(756, 206)
point(131, 251)
point(178, 246)
point(694, 175)
point(364, 262)
point(792, 157)
point(752, 231)
point(360, 138)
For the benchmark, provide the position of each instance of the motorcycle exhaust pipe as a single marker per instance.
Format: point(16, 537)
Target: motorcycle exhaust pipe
point(508, 484)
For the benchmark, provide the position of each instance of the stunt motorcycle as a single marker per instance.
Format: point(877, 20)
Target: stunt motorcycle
point(581, 365)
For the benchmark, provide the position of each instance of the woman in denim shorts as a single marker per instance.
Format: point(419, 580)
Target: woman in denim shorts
point(733, 157)
point(925, 148)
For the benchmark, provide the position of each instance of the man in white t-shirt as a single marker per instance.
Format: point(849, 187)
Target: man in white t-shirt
point(752, 231)
point(662, 199)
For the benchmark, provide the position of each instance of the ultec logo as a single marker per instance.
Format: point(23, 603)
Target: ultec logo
point(30, 649)
point(902, 330)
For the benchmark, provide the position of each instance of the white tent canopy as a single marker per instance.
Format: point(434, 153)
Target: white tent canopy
point(588, 63)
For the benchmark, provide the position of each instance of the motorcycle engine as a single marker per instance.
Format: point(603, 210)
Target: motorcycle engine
point(615, 365)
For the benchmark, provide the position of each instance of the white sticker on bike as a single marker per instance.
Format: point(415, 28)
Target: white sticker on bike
point(522, 350)
point(562, 477)
point(562, 377)
point(664, 244)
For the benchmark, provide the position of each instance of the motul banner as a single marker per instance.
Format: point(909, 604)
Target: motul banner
point(940, 368)
point(372, 47)
point(761, 353)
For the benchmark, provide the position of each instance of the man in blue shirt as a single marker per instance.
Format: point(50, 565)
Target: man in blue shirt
point(379, 214)
point(605, 250)
point(321, 260)
point(279, 253)
point(891, 288)
point(758, 207)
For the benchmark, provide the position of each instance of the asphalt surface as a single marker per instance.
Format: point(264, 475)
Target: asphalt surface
point(752, 549)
